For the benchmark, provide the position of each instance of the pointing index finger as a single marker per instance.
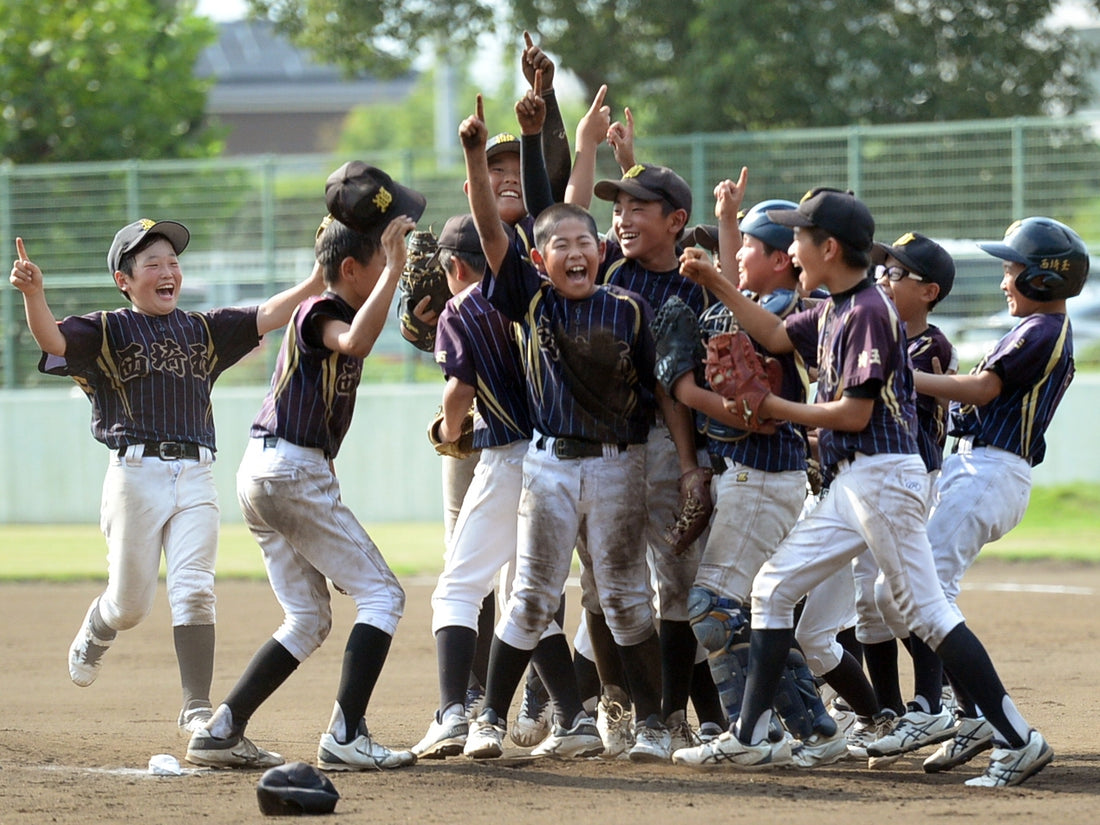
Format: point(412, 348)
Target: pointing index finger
point(597, 102)
point(20, 249)
point(480, 110)
point(527, 39)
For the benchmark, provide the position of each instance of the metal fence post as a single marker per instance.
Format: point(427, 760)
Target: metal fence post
point(7, 299)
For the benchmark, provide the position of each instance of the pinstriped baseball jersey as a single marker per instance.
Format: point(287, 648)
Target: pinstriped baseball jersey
point(312, 395)
point(477, 345)
point(931, 417)
point(589, 363)
point(149, 376)
point(853, 338)
point(1035, 364)
point(655, 287)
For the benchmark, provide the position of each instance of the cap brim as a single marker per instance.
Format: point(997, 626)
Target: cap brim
point(899, 254)
point(511, 146)
point(608, 190)
point(176, 233)
point(408, 202)
point(1003, 251)
point(788, 217)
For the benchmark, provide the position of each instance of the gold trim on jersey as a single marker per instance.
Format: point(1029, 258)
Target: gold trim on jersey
point(1029, 406)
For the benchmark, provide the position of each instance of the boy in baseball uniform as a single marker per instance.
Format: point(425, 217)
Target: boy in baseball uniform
point(1000, 413)
point(148, 371)
point(588, 356)
point(290, 495)
point(878, 498)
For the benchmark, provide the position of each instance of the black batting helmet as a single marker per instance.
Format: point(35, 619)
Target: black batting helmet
point(1055, 259)
point(294, 789)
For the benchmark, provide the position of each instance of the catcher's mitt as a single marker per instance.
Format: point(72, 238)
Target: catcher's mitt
point(422, 277)
point(463, 447)
point(678, 342)
point(694, 510)
point(737, 372)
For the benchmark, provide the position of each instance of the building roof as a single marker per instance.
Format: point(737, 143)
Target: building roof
point(256, 70)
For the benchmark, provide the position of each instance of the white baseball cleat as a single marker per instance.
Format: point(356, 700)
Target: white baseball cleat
point(86, 651)
point(727, 751)
point(1011, 766)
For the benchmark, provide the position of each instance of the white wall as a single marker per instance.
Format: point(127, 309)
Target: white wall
point(53, 469)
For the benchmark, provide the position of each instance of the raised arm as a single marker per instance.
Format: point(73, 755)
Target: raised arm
point(531, 115)
point(27, 278)
point(358, 338)
point(555, 139)
point(276, 310)
point(591, 132)
point(479, 189)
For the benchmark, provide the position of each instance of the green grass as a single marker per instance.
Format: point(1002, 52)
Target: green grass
point(1062, 523)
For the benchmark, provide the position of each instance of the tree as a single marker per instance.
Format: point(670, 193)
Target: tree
point(102, 81)
point(720, 65)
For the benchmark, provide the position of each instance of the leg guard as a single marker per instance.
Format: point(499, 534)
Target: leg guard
point(798, 702)
point(721, 627)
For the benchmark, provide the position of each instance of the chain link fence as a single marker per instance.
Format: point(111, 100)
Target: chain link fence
point(252, 220)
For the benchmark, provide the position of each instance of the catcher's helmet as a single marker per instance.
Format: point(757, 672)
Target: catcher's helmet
point(757, 223)
point(1055, 259)
point(297, 788)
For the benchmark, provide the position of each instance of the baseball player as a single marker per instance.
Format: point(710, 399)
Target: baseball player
point(588, 357)
point(1000, 414)
point(879, 491)
point(147, 371)
point(917, 274)
point(652, 207)
point(477, 350)
point(290, 496)
point(759, 492)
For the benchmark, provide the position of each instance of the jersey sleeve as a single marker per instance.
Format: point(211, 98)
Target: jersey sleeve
point(802, 328)
point(452, 348)
point(1021, 357)
point(83, 341)
point(511, 289)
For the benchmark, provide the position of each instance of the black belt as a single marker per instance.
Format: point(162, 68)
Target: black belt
point(718, 463)
point(166, 450)
point(979, 442)
point(271, 442)
point(566, 448)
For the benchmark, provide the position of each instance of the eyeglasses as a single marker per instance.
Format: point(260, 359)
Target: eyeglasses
point(895, 273)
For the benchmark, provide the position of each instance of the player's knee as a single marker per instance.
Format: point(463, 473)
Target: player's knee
point(630, 624)
point(714, 619)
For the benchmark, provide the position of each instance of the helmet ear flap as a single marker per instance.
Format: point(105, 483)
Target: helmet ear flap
point(1040, 285)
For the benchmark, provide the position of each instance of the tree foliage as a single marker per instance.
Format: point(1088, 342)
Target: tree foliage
point(102, 80)
point(719, 65)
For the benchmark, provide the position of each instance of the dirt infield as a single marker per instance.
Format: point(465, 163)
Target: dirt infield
point(70, 755)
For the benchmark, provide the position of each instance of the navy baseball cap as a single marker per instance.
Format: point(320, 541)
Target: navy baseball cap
point(499, 144)
point(841, 214)
point(648, 182)
point(133, 234)
point(704, 235)
point(459, 234)
point(924, 257)
point(363, 197)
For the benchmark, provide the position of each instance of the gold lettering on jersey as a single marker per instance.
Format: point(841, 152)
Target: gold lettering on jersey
point(382, 199)
point(200, 361)
point(168, 357)
point(633, 171)
point(441, 357)
point(868, 357)
point(132, 362)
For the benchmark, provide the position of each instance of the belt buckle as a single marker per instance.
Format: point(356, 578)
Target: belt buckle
point(563, 449)
point(169, 450)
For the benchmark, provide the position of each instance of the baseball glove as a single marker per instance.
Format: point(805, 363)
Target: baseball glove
point(737, 372)
point(678, 341)
point(463, 447)
point(422, 277)
point(694, 510)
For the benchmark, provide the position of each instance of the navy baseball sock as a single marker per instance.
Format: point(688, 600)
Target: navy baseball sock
point(486, 621)
point(608, 659)
point(642, 665)
point(849, 680)
point(965, 656)
point(454, 647)
point(506, 666)
point(882, 667)
point(195, 656)
point(554, 665)
point(678, 646)
point(588, 681)
point(364, 656)
point(848, 641)
point(768, 651)
point(927, 673)
point(271, 665)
